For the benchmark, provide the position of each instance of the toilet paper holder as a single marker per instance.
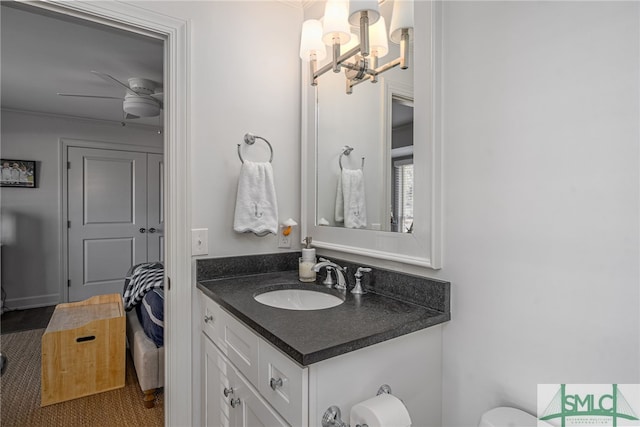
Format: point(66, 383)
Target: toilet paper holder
point(332, 417)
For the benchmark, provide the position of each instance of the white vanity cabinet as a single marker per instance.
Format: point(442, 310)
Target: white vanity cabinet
point(235, 359)
point(263, 386)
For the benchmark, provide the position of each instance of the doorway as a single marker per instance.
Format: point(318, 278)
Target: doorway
point(178, 298)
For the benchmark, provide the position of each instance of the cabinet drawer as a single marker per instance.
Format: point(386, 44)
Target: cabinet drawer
point(211, 319)
point(240, 345)
point(284, 385)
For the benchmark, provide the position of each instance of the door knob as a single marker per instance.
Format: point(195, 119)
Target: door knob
point(143, 230)
point(228, 391)
point(152, 230)
point(234, 402)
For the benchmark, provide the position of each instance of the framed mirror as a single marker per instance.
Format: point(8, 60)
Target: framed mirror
point(386, 135)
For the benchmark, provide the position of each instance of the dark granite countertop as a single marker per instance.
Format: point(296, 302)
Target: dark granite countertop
point(315, 335)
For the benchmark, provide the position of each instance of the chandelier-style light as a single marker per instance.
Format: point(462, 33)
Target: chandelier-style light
point(365, 51)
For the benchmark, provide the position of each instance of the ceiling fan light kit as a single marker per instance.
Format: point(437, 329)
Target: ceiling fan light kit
point(143, 97)
point(140, 106)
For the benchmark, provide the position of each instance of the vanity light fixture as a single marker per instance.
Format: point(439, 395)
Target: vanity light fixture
point(361, 59)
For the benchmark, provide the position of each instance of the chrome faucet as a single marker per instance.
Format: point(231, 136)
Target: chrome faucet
point(340, 272)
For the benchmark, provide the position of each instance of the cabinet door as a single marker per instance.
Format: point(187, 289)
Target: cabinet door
point(215, 372)
point(251, 410)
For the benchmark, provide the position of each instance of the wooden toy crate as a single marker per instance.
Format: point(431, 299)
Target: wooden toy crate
point(83, 349)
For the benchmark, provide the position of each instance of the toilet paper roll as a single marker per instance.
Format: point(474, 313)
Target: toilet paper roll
point(384, 410)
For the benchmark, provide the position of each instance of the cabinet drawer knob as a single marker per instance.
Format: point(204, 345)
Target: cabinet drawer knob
point(234, 402)
point(208, 319)
point(275, 383)
point(228, 391)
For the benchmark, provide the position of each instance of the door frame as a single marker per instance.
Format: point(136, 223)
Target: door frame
point(175, 33)
point(65, 144)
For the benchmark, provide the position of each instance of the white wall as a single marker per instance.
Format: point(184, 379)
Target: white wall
point(31, 265)
point(541, 200)
point(245, 78)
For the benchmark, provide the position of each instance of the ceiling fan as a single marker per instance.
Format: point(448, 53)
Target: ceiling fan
point(143, 97)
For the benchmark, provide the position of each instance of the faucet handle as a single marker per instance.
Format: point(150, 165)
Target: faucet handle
point(361, 270)
point(358, 288)
point(328, 281)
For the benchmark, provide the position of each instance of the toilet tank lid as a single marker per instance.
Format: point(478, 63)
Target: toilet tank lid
point(504, 417)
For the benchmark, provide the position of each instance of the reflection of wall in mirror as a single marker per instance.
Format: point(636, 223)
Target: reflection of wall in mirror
point(355, 120)
point(402, 169)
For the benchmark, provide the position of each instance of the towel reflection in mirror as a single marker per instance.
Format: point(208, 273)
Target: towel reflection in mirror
point(351, 206)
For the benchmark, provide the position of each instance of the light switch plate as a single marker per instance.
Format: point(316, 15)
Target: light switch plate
point(199, 241)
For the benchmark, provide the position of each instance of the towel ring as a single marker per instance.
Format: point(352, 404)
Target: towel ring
point(346, 150)
point(250, 139)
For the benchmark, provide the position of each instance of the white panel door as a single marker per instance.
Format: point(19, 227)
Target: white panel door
point(107, 212)
point(155, 211)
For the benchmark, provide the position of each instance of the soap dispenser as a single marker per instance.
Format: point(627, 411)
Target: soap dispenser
point(306, 262)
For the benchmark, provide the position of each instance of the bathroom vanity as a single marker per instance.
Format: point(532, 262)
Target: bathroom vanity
point(263, 365)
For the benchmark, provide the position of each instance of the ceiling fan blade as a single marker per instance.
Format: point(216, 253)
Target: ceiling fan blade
point(79, 95)
point(111, 79)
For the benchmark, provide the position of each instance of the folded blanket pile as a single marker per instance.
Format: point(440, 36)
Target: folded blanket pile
point(140, 279)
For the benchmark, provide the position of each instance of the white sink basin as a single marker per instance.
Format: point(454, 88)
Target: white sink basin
point(298, 299)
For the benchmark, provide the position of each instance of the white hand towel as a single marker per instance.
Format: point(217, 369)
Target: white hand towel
point(256, 204)
point(351, 193)
point(339, 211)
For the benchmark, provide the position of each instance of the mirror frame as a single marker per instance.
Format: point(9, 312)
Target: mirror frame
point(422, 247)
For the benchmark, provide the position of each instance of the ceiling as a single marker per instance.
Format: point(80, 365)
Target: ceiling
point(43, 53)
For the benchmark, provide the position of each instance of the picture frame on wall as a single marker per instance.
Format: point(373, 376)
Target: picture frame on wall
point(18, 173)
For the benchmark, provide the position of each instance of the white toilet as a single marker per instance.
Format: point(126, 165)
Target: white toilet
point(507, 417)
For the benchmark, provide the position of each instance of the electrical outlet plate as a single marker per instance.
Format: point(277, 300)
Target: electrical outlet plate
point(200, 241)
point(284, 241)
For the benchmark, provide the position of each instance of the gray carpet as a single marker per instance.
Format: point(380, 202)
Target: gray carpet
point(20, 394)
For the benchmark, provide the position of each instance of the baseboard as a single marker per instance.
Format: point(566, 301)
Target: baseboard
point(30, 302)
